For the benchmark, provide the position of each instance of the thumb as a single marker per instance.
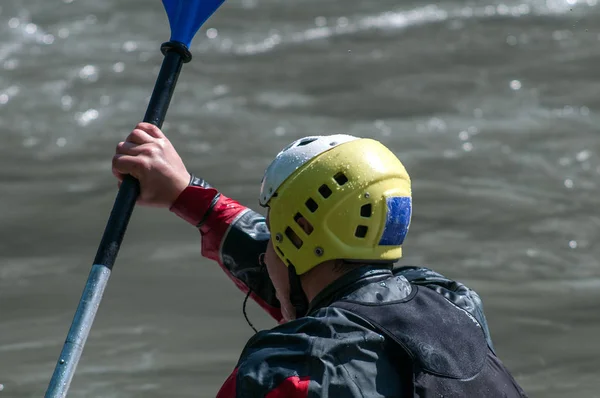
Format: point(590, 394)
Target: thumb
point(118, 175)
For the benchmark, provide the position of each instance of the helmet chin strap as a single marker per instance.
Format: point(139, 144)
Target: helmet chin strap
point(297, 296)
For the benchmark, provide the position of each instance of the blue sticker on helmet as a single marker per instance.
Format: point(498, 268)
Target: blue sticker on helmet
point(399, 210)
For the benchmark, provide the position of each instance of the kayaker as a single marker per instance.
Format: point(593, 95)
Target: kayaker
point(321, 264)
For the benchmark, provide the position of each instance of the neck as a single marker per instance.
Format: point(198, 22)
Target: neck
point(318, 278)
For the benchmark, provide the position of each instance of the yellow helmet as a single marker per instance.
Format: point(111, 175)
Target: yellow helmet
point(354, 192)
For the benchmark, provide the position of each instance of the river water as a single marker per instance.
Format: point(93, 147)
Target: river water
point(493, 107)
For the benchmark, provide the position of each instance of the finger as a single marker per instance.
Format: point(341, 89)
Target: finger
point(139, 136)
point(128, 148)
point(117, 168)
point(151, 129)
point(127, 164)
point(118, 175)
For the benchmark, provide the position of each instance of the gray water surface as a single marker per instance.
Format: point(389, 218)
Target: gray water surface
point(493, 107)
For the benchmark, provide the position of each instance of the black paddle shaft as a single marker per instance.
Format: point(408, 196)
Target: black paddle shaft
point(176, 54)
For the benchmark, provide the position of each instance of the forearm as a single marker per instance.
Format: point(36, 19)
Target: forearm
point(234, 236)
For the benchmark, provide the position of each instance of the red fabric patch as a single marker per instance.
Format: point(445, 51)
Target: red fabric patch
point(292, 387)
point(216, 225)
point(228, 389)
point(192, 203)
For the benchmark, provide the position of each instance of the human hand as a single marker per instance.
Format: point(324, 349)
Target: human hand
point(150, 157)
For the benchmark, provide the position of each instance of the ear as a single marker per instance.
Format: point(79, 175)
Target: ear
point(306, 226)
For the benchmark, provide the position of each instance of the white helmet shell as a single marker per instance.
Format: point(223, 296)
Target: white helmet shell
point(295, 156)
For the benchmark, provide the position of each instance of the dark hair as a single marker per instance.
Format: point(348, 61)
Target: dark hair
point(343, 266)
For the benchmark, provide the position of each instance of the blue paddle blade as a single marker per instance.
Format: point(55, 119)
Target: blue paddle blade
point(187, 16)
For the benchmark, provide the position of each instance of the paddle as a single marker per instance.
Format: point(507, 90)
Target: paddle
point(185, 18)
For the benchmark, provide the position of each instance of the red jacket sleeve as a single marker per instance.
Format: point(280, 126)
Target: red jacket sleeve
point(234, 236)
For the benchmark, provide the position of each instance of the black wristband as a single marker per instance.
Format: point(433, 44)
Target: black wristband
point(209, 210)
point(198, 182)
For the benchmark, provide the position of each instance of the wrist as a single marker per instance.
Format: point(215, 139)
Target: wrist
point(179, 186)
point(195, 202)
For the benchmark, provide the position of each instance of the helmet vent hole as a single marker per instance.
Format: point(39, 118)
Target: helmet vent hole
point(325, 191)
point(292, 236)
point(340, 178)
point(303, 223)
point(306, 141)
point(365, 210)
point(361, 231)
point(311, 205)
point(280, 251)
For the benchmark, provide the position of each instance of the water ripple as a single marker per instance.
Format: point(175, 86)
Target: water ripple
point(399, 20)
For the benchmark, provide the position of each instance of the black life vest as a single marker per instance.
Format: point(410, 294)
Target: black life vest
point(440, 349)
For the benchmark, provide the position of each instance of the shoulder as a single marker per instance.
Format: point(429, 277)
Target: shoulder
point(321, 351)
point(456, 292)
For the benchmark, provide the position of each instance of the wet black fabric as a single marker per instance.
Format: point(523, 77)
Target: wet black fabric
point(241, 250)
point(445, 345)
point(344, 354)
point(441, 339)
